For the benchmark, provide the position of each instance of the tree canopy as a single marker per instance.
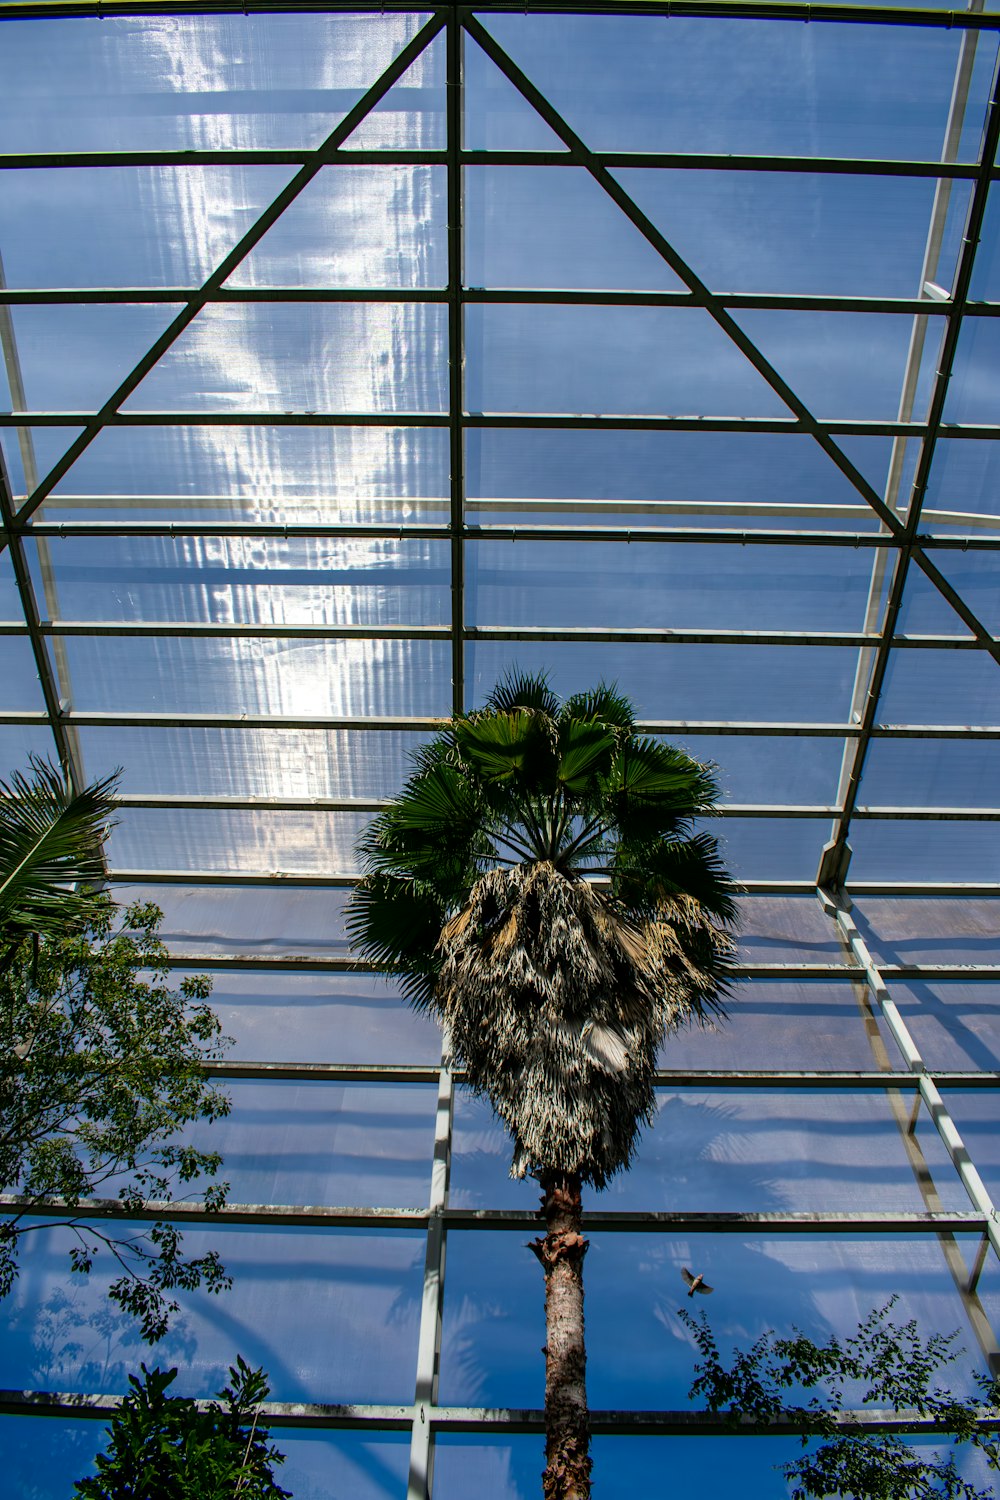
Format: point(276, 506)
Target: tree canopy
point(540, 884)
point(101, 1070)
point(165, 1447)
point(888, 1366)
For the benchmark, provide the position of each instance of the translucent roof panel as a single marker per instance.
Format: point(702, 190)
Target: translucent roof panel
point(630, 479)
point(663, 586)
point(255, 676)
point(255, 474)
point(247, 580)
point(192, 82)
point(796, 232)
point(698, 84)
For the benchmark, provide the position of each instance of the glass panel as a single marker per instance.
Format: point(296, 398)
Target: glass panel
point(795, 1024)
point(636, 479)
point(303, 357)
point(940, 687)
point(328, 1018)
point(128, 226)
point(267, 921)
point(975, 576)
point(10, 599)
point(411, 116)
point(925, 610)
point(972, 393)
point(253, 762)
point(792, 232)
point(839, 364)
point(756, 768)
point(43, 1456)
point(191, 82)
point(74, 358)
point(30, 452)
point(737, 86)
point(330, 1144)
point(250, 474)
point(646, 360)
point(787, 930)
point(500, 1468)
point(771, 848)
point(261, 676)
point(636, 1344)
point(357, 226)
point(931, 773)
point(662, 587)
point(935, 850)
point(296, 1294)
point(975, 1113)
point(366, 1465)
point(955, 1026)
point(19, 684)
point(497, 115)
point(914, 930)
point(235, 842)
point(248, 580)
point(724, 683)
point(986, 272)
point(540, 227)
point(964, 484)
point(18, 741)
point(736, 1150)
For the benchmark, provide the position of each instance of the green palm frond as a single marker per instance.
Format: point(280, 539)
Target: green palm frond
point(51, 838)
point(395, 923)
point(508, 746)
point(604, 703)
point(520, 690)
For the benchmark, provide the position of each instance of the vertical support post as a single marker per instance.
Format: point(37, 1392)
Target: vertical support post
point(456, 356)
point(429, 1342)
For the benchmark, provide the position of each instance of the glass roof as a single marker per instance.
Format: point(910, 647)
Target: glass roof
point(325, 404)
point(352, 357)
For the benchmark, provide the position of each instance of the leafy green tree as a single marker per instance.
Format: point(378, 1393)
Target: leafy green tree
point(101, 1068)
point(51, 839)
point(813, 1388)
point(481, 890)
point(167, 1448)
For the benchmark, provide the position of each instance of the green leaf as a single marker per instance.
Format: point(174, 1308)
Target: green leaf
point(521, 690)
point(585, 751)
point(51, 838)
point(516, 747)
point(603, 703)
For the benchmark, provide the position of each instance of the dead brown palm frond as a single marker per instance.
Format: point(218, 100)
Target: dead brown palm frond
point(557, 1007)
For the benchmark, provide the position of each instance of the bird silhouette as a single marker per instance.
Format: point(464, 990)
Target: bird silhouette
point(695, 1283)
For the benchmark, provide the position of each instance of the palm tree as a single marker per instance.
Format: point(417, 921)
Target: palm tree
point(538, 886)
point(51, 839)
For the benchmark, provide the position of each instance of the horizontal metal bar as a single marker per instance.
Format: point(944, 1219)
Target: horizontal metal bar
point(465, 1419)
point(303, 880)
point(226, 801)
point(595, 1219)
point(757, 10)
point(840, 1080)
point(496, 296)
point(566, 635)
point(97, 719)
point(314, 963)
point(518, 421)
point(528, 532)
point(476, 157)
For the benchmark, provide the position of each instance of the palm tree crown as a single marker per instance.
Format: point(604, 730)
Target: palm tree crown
point(539, 885)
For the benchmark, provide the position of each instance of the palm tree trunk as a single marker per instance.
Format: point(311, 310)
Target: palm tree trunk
point(567, 1422)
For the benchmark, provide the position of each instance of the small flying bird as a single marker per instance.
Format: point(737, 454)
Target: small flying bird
point(695, 1283)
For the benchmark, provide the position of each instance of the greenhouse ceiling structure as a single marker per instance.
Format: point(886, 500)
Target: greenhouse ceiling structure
point(356, 354)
